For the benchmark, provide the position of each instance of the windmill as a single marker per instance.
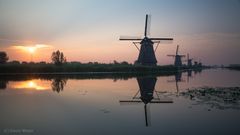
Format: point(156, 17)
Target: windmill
point(189, 61)
point(146, 52)
point(198, 64)
point(178, 58)
point(147, 90)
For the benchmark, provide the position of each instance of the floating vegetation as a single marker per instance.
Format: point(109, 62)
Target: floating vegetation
point(215, 97)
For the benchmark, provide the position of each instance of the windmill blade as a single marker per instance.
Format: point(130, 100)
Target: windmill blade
point(140, 101)
point(171, 55)
point(148, 23)
point(177, 49)
point(147, 115)
point(123, 102)
point(162, 101)
point(161, 38)
point(130, 38)
point(130, 102)
point(163, 41)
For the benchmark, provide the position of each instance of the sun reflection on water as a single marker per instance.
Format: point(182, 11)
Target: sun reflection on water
point(32, 85)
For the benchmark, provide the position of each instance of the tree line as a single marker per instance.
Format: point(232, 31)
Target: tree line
point(58, 58)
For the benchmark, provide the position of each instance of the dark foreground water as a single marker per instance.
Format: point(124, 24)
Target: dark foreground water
point(143, 105)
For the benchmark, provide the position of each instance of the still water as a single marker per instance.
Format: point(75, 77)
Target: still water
point(124, 106)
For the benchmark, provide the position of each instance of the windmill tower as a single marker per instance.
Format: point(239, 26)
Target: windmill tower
point(189, 61)
point(178, 58)
point(146, 52)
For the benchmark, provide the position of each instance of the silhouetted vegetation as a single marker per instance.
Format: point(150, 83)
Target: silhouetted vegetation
point(77, 67)
point(3, 57)
point(58, 58)
point(90, 67)
point(215, 97)
point(3, 84)
point(234, 66)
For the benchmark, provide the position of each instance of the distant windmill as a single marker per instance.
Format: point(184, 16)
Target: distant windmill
point(146, 52)
point(198, 64)
point(189, 61)
point(178, 58)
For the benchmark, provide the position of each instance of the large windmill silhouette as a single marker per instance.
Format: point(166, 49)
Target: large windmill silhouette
point(146, 52)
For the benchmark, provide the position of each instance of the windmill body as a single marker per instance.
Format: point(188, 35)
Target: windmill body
point(146, 52)
point(178, 61)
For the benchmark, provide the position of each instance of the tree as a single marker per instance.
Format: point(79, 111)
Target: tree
point(124, 63)
point(3, 57)
point(58, 58)
point(14, 62)
point(115, 62)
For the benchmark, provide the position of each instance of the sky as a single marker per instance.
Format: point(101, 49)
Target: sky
point(89, 30)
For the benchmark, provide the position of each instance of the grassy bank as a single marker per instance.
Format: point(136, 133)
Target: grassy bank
point(81, 68)
point(88, 69)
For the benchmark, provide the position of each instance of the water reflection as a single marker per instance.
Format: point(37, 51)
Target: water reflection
point(177, 79)
point(3, 84)
point(30, 85)
point(189, 112)
point(146, 90)
point(58, 84)
point(197, 71)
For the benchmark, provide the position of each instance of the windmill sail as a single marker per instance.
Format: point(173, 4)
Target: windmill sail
point(147, 25)
point(130, 38)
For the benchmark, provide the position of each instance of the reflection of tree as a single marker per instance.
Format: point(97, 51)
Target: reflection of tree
point(58, 84)
point(219, 98)
point(3, 84)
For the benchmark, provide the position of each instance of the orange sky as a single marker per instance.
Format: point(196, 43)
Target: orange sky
point(107, 50)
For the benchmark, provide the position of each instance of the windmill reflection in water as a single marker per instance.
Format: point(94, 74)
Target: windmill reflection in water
point(146, 91)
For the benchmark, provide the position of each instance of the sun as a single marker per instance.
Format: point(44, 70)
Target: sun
point(31, 49)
